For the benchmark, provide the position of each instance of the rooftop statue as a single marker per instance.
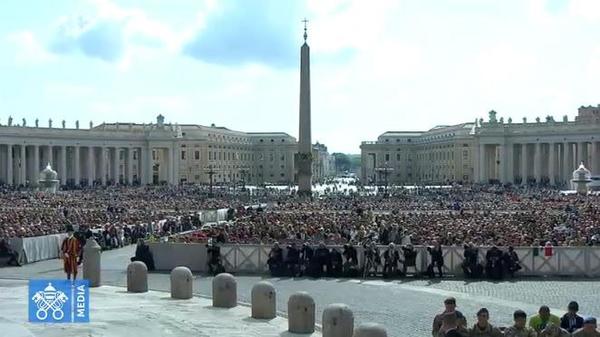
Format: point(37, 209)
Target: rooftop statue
point(77, 124)
point(37, 122)
point(50, 122)
point(492, 115)
point(24, 122)
point(10, 120)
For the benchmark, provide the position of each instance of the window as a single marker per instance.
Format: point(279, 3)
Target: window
point(121, 155)
point(220, 155)
point(135, 155)
point(196, 177)
point(210, 157)
point(153, 155)
point(282, 167)
point(387, 157)
point(282, 157)
point(398, 156)
point(271, 156)
point(197, 155)
point(283, 174)
point(182, 155)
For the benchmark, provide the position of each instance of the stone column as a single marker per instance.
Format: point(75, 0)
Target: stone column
point(63, 165)
point(581, 153)
point(130, 165)
point(76, 167)
point(595, 165)
point(50, 157)
point(537, 163)
point(36, 164)
point(116, 165)
point(552, 164)
point(503, 162)
point(476, 168)
point(482, 164)
point(90, 166)
point(142, 165)
point(9, 164)
point(510, 163)
point(103, 165)
point(566, 174)
point(23, 173)
point(524, 164)
point(176, 159)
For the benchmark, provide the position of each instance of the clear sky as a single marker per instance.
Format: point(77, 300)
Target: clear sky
point(376, 65)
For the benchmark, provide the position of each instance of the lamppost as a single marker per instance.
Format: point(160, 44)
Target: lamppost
point(243, 172)
point(210, 173)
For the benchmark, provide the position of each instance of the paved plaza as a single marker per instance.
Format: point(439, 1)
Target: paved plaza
point(405, 307)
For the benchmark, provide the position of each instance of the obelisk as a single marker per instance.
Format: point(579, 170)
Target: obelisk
point(304, 142)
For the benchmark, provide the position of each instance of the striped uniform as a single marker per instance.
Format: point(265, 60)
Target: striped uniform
point(72, 248)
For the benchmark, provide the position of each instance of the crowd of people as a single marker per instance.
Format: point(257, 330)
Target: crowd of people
point(453, 323)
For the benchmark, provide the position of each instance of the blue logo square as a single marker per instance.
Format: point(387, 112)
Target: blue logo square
point(59, 301)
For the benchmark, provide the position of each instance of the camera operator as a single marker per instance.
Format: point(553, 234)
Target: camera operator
point(292, 260)
point(437, 259)
point(351, 264)
point(213, 252)
point(391, 258)
point(322, 260)
point(410, 258)
point(275, 260)
point(511, 262)
point(306, 257)
point(336, 263)
point(372, 258)
point(470, 266)
point(493, 266)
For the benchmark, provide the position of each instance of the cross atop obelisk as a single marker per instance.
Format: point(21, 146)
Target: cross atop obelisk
point(304, 156)
point(305, 35)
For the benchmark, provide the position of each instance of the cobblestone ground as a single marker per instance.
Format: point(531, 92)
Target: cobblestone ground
point(405, 307)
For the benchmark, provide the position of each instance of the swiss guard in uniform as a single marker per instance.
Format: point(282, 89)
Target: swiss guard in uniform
point(71, 250)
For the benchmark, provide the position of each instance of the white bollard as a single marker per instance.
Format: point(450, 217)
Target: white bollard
point(91, 262)
point(137, 277)
point(370, 330)
point(263, 301)
point(301, 313)
point(338, 321)
point(224, 291)
point(181, 283)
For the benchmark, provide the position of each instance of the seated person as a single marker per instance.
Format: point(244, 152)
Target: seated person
point(6, 250)
point(275, 260)
point(143, 253)
point(336, 263)
point(292, 260)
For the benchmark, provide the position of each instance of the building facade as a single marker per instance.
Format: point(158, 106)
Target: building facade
point(545, 152)
point(158, 153)
point(440, 155)
point(539, 152)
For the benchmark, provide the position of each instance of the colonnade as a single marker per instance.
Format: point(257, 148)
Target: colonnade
point(20, 164)
point(537, 162)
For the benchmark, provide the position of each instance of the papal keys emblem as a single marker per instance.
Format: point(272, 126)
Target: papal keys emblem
point(50, 299)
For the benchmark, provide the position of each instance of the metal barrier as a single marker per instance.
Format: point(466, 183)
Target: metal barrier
point(564, 261)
